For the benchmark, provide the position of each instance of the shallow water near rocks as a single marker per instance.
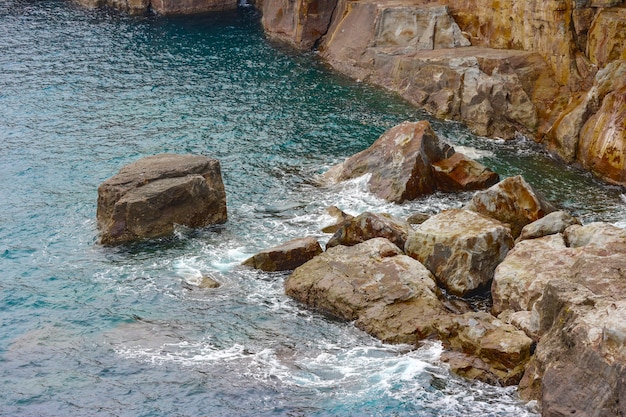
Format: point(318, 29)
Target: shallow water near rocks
point(88, 330)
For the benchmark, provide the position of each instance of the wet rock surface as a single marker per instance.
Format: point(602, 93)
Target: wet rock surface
point(285, 257)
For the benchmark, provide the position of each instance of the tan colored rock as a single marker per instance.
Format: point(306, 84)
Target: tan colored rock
point(501, 349)
point(418, 218)
point(367, 226)
point(519, 280)
point(597, 235)
point(460, 173)
point(301, 23)
point(390, 295)
point(602, 146)
point(285, 257)
point(607, 37)
point(399, 162)
point(461, 248)
point(408, 161)
point(512, 201)
point(148, 197)
point(579, 363)
point(550, 224)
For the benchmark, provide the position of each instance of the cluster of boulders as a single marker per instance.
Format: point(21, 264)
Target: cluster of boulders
point(557, 322)
point(556, 325)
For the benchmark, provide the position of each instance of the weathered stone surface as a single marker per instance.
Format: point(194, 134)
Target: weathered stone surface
point(390, 295)
point(340, 219)
point(286, 256)
point(512, 201)
point(550, 224)
point(602, 146)
point(501, 349)
point(575, 295)
point(301, 23)
point(399, 162)
point(579, 366)
point(607, 37)
point(368, 226)
point(566, 138)
point(459, 173)
point(461, 248)
point(521, 277)
point(418, 218)
point(203, 282)
point(146, 198)
point(408, 161)
point(496, 92)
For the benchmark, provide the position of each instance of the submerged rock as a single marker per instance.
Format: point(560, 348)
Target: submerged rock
point(461, 248)
point(148, 197)
point(368, 226)
point(512, 201)
point(390, 295)
point(402, 165)
point(285, 257)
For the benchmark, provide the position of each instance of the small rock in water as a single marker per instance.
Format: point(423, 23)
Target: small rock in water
point(204, 282)
point(340, 218)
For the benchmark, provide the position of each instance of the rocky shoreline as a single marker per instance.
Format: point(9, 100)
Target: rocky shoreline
point(555, 324)
point(551, 71)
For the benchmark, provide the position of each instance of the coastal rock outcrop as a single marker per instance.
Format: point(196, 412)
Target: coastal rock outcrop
point(573, 287)
point(367, 226)
point(461, 248)
point(390, 295)
point(148, 197)
point(285, 257)
point(408, 161)
point(512, 201)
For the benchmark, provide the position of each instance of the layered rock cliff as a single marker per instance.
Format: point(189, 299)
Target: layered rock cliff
point(553, 71)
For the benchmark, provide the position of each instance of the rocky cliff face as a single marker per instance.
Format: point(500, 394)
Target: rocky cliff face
point(553, 71)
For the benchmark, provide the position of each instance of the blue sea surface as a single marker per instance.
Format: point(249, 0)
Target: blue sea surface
point(88, 330)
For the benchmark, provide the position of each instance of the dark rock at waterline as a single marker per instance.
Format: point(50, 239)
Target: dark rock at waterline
point(401, 164)
point(387, 293)
point(418, 218)
point(370, 225)
point(461, 248)
point(285, 257)
point(148, 197)
point(512, 201)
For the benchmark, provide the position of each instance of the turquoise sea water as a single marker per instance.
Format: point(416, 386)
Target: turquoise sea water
point(87, 330)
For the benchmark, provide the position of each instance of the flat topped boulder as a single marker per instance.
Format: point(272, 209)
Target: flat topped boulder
point(286, 256)
point(148, 197)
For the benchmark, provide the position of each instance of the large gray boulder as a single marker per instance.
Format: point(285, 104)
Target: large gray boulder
point(148, 197)
point(461, 248)
point(388, 294)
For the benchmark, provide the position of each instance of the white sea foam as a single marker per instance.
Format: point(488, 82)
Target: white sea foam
point(473, 153)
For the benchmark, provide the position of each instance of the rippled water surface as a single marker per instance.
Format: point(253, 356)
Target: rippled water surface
point(88, 330)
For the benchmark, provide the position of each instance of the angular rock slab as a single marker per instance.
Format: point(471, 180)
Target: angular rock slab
point(491, 351)
point(148, 197)
point(461, 248)
point(370, 225)
point(399, 162)
point(409, 161)
point(391, 296)
point(285, 257)
point(512, 201)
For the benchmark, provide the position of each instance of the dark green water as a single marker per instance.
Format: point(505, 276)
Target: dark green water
point(87, 330)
